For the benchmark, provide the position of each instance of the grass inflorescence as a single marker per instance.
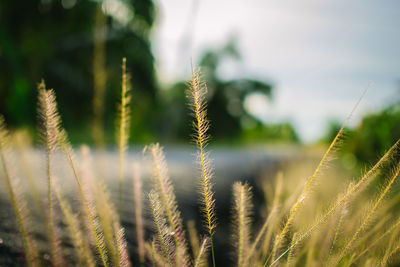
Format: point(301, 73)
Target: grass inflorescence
point(326, 219)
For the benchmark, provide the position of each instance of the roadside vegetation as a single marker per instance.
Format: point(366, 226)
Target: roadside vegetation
point(312, 216)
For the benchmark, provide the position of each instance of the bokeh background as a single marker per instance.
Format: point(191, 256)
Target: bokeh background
point(277, 72)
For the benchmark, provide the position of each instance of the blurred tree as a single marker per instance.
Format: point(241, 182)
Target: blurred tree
point(376, 133)
point(54, 40)
point(225, 103)
point(280, 132)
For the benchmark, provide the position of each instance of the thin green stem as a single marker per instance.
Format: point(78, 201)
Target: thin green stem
point(212, 249)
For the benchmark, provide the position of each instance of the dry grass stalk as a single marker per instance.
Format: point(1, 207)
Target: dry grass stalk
point(290, 261)
point(55, 136)
point(310, 181)
point(242, 221)
point(124, 110)
point(370, 213)
point(165, 190)
point(107, 218)
point(50, 124)
point(265, 229)
point(17, 202)
point(201, 259)
point(337, 232)
point(122, 246)
point(78, 238)
point(164, 239)
point(343, 198)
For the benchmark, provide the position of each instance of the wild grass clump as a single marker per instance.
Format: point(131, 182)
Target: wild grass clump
point(326, 219)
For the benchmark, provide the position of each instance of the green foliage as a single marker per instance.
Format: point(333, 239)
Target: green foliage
point(373, 136)
point(51, 40)
point(225, 100)
point(279, 132)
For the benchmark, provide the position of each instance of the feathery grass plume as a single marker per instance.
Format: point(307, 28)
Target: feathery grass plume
point(164, 188)
point(391, 246)
point(336, 235)
point(17, 202)
point(81, 245)
point(349, 192)
point(20, 144)
point(272, 214)
point(375, 241)
point(50, 124)
point(123, 127)
point(389, 253)
point(138, 204)
point(88, 203)
point(201, 259)
point(54, 136)
point(121, 245)
point(242, 221)
point(290, 259)
point(153, 255)
point(375, 230)
point(370, 213)
point(197, 95)
point(393, 239)
point(107, 217)
point(310, 250)
point(99, 76)
point(311, 180)
point(193, 238)
point(165, 241)
point(112, 230)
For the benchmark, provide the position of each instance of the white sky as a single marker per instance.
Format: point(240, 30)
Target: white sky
point(320, 55)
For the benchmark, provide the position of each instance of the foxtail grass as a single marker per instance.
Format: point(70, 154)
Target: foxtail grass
point(55, 136)
point(201, 258)
point(336, 235)
point(242, 220)
point(370, 213)
point(163, 187)
point(121, 246)
point(153, 255)
point(18, 141)
point(79, 241)
point(163, 233)
point(265, 229)
point(350, 192)
point(109, 222)
point(294, 209)
point(299, 226)
point(49, 123)
point(197, 95)
point(17, 202)
point(290, 259)
point(123, 127)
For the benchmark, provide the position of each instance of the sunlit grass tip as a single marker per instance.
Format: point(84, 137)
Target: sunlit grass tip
point(197, 101)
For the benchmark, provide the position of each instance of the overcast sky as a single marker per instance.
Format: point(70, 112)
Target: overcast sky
point(320, 55)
